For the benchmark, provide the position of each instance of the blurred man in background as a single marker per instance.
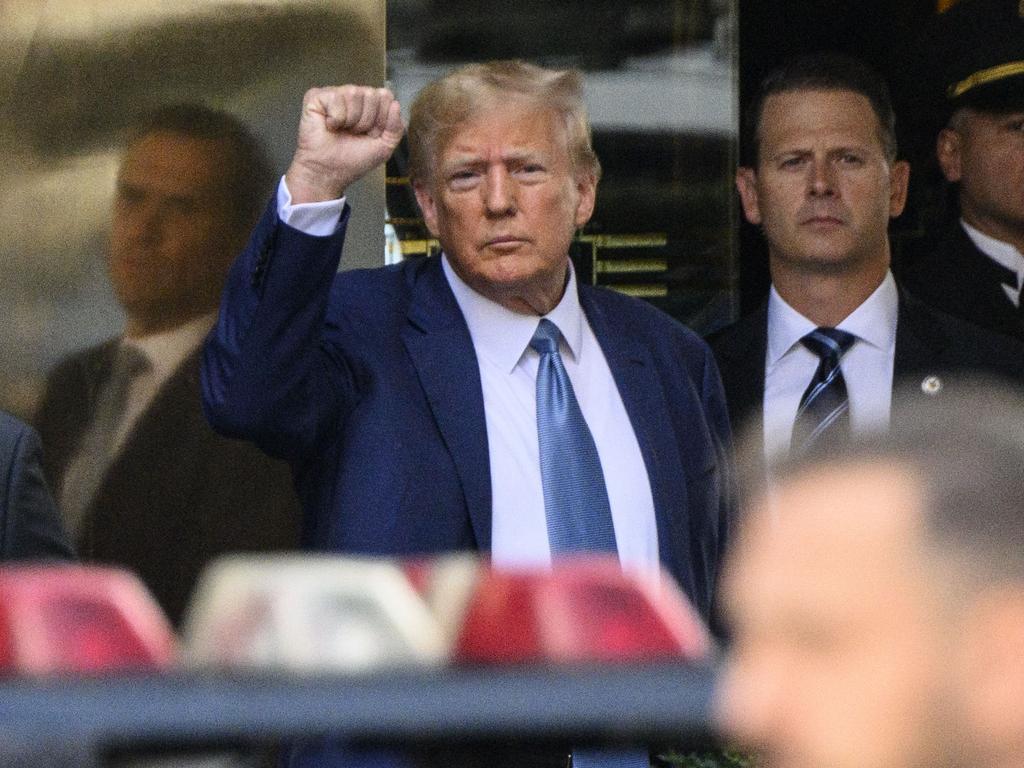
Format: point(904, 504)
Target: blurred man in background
point(972, 266)
point(876, 596)
point(141, 479)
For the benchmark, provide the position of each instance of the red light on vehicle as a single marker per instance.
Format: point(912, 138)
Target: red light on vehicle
point(582, 610)
point(72, 618)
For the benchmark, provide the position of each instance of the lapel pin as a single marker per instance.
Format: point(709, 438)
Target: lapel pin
point(931, 385)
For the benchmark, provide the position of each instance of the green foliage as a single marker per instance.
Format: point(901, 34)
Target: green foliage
point(719, 759)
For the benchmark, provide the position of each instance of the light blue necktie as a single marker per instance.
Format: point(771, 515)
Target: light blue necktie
point(576, 506)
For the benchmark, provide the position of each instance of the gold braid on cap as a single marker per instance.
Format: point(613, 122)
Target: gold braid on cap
point(1009, 69)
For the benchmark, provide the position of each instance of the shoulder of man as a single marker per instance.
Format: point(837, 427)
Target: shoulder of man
point(637, 317)
point(962, 346)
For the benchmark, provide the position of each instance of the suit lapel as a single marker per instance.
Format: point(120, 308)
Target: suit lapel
point(920, 345)
point(741, 361)
point(642, 395)
point(439, 345)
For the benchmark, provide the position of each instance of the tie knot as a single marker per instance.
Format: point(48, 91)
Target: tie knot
point(828, 343)
point(545, 338)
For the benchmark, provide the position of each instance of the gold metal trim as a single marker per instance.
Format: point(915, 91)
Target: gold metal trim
point(1009, 69)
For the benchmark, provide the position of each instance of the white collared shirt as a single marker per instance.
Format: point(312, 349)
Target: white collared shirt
point(1003, 254)
point(508, 373)
point(867, 366)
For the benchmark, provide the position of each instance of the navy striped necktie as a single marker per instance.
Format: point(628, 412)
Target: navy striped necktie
point(823, 417)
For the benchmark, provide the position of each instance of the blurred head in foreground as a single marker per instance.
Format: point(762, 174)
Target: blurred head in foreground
point(876, 597)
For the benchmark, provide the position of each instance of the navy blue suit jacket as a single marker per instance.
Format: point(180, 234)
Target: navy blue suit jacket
point(368, 383)
point(30, 526)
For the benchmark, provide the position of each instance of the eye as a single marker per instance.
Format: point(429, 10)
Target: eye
point(464, 178)
point(851, 159)
point(791, 163)
point(128, 194)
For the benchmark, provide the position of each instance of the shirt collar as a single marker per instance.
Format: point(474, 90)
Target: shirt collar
point(501, 335)
point(1004, 254)
point(874, 321)
point(166, 350)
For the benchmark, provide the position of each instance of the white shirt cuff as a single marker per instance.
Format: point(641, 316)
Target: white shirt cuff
point(317, 219)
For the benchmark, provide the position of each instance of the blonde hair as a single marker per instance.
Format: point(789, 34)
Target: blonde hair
point(445, 104)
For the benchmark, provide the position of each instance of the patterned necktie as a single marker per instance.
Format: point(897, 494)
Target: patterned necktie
point(97, 451)
point(824, 414)
point(576, 504)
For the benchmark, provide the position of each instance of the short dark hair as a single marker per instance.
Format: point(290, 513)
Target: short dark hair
point(826, 71)
point(964, 448)
point(250, 174)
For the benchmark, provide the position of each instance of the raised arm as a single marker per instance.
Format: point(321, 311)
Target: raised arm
point(266, 375)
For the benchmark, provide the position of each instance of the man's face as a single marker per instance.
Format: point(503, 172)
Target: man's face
point(504, 200)
point(172, 235)
point(984, 152)
point(840, 657)
point(823, 190)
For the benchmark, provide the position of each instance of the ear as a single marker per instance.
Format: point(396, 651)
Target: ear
point(428, 206)
point(746, 185)
point(994, 673)
point(899, 181)
point(948, 146)
point(586, 189)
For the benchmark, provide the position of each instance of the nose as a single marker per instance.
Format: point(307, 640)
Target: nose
point(499, 192)
point(141, 221)
point(821, 179)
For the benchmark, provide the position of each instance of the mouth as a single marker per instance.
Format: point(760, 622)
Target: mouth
point(822, 220)
point(505, 242)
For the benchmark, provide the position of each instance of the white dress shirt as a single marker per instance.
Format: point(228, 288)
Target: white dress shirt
point(867, 366)
point(508, 372)
point(1003, 254)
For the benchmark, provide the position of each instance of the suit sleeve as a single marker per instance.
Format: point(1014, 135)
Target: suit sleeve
point(717, 414)
point(32, 527)
point(266, 375)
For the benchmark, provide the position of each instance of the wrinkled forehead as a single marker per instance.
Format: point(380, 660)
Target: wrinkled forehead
point(829, 525)
point(175, 160)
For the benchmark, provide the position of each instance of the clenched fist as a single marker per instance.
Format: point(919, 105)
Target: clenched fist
point(345, 132)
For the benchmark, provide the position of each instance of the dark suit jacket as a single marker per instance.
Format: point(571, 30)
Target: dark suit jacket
point(30, 526)
point(368, 381)
point(927, 342)
point(952, 275)
point(178, 494)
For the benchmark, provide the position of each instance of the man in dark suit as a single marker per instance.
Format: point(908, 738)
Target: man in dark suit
point(973, 265)
point(30, 526)
point(823, 185)
point(372, 382)
point(141, 479)
point(412, 399)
